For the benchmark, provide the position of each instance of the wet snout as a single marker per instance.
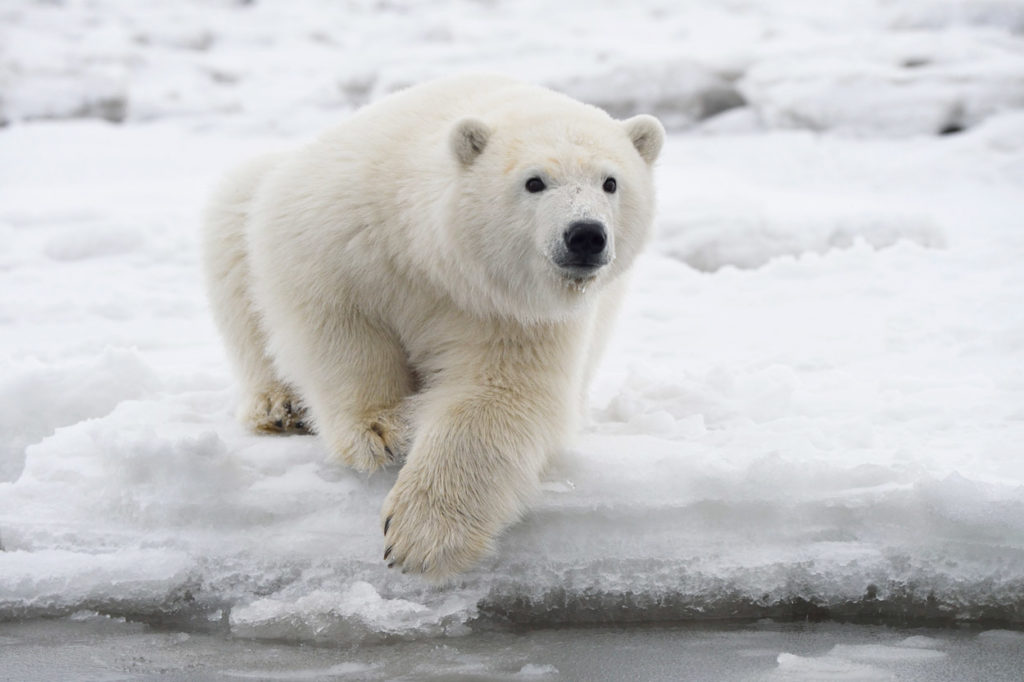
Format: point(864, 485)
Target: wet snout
point(586, 243)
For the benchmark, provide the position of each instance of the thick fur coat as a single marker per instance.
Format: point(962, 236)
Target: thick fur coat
point(433, 280)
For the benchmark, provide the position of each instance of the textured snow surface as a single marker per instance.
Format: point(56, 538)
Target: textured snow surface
point(814, 403)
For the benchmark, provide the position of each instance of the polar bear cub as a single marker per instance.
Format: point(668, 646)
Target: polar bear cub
point(432, 280)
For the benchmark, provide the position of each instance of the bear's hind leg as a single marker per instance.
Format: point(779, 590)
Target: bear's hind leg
point(268, 404)
point(274, 409)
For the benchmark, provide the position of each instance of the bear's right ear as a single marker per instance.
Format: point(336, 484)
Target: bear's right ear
point(468, 139)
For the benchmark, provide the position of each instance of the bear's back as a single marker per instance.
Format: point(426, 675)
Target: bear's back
point(414, 121)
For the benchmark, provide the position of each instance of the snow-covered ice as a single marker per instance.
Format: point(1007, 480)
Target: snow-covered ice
point(814, 404)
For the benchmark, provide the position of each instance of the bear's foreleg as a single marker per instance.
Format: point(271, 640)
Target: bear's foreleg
point(478, 454)
point(353, 376)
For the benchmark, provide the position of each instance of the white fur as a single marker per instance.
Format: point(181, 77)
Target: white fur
point(395, 279)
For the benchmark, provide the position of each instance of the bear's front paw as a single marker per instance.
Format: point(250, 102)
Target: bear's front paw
point(373, 442)
point(431, 530)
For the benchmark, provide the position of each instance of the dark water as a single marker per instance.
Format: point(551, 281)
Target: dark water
point(99, 648)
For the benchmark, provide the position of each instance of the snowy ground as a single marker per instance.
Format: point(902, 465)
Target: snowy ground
point(814, 404)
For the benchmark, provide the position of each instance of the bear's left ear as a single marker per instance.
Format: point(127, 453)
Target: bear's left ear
point(468, 139)
point(647, 135)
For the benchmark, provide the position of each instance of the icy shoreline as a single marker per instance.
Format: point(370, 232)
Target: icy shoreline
point(336, 603)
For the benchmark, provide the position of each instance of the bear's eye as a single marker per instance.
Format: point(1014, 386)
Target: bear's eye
point(534, 185)
point(610, 185)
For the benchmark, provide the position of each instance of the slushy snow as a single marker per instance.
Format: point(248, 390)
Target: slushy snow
point(813, 405)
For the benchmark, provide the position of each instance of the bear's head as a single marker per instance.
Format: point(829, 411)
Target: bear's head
point(550, 205)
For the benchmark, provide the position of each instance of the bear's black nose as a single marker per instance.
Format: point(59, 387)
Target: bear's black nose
point(585, 238)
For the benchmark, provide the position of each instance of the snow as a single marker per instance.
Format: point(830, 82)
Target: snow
point(814, 403)
point(896, 84)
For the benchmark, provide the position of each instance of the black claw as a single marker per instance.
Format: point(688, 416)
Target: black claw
point(391, 565)
point(391, 455)
point(279, 424)
point(387, 553)
point(387, 524)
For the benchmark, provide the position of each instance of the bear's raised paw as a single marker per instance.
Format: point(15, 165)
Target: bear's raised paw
point(375, 441)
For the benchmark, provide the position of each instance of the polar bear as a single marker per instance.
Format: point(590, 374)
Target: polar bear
point(433, 279)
